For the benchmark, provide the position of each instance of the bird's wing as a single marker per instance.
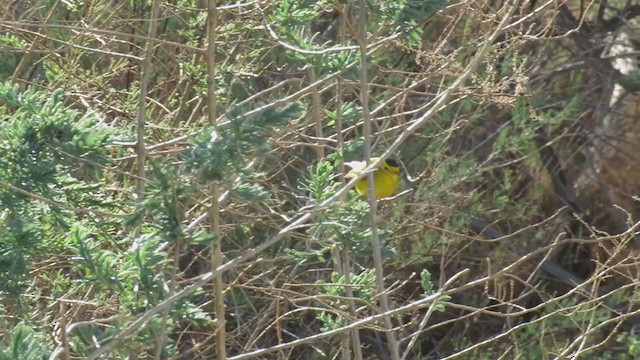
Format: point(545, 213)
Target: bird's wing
point(356, 168)
point(356, 165)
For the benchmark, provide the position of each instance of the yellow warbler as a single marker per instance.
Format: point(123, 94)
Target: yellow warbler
point(385, 178)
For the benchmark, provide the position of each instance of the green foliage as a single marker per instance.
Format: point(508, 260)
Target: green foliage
point(405, 14)
point(363, 286)
point(351, 113)
point(250, 192)
point(163, 202)
point(24, 343)
point(518, 138)
point(216, 153)
point(427, 287)
point(9, 39)
point(292, 13)
point(563, 116)
point(73, 6)
point(9, 58)
point(631, 81)
point(478, 157)
point(563, 319)
point(40, 140)
point(321, 183)
point(18, 239)
point(449, 176)
point(425, 282)
point(97, 266)
point(41, 143)
point(632, 342)
point(143, 273)
point(292, 18)
point(342, 224)
point(139, 279)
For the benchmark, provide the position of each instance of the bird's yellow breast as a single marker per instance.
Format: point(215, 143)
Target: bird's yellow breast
point(385, 183)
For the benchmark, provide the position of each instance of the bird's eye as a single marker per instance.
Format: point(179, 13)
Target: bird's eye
point(392, 162)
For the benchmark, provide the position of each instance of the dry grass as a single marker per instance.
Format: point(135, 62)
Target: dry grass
point(518, 138)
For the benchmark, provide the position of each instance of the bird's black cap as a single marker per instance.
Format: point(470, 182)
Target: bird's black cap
point(392, 162)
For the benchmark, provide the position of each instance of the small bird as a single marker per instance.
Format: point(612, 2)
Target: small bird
point(385, 178)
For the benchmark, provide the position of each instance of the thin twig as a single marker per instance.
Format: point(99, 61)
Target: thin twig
point(394, 349)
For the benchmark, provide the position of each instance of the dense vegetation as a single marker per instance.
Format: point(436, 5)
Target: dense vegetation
point(172, 179)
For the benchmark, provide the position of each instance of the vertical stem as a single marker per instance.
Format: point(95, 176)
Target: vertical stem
point(173, 280)
point(317, 117)
point(316, 110)
point(147, 67)
point(218, 289)
point(64, 342)
point(214, 210)
point(355, 333)
point(375, 241)
point(345, 263)
point(141, 151)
